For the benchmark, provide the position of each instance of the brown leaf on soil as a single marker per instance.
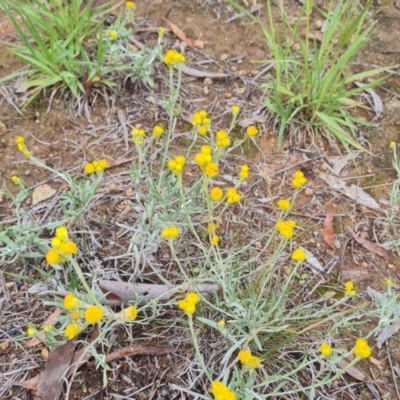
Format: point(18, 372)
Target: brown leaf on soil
point(353, 371)
point(30, 384)
point(180, 34)
point(136, 349)
point(355, 274)
point(380, 251)
point(327, 231)
point(51, 320)
point(50, 385)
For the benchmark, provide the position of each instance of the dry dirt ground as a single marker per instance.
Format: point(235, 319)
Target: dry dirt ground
point(61, 137)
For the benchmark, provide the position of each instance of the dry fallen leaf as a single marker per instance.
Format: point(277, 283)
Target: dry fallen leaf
point(30, 384)
point(41, 193)
point(353, 371)
point(136, 349)
point(327, 231)
point(180, 34)
point(380, 251)
point(355, 274)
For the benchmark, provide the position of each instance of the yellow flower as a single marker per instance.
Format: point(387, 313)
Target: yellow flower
point(232, 196)
point(137, 135)
point(31, 331)
point(202, 130)
point(74, 315)
point(211, 170)
point(103, 164)
point(158, 131)
point(171, 232)
point(221, 323)
point(349, 286)
point(89, 168)
point(72, 330)
point(15, 179)
point(129, 314)
point(222, 392)
point(70, 302)
point(113, 34)
point(211, 228)
point(254, 363)
point(284, 204)
point(192, 297)
point(299, 179)
point(94, 314)
point(299, 255)
point(392, 144)
point(53, 257)
point(244, 172)
point(47, 328)
point(206, 149)
point(216, 194)
point(362, 348)
point(389, 282)
point(222, 139)
point(19, 140)
point(325, 349)
point(68, 248)
point(177, 164)
point(248, 360)
point(202, 159)
point(285, 228)
point(214, 240)
point(235, 110)
point(130, 5)
point(200, 118)
point(161, 32)
point(172, 57)
point(62, 233)
point(188, 308)
point(251, 131)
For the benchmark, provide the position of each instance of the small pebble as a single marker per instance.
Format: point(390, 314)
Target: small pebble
point(296, 47)
point(233, 68)
point(129, 192)
point(318, 23)
point(199, 44)
point(242, 72)
point(112, 187)
point(224, 57)
point(239, 61)
point(309, 192)
point(207, 81)
point(254, 72)
point(228, 95)
point(44, 354)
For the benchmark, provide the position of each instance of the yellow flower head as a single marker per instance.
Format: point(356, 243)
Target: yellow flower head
point(200, 118)
point(31, 331)
point(214, 240)
point(172, 57)
point(284, 204)
point(161, 32)
point(211, 228)
point(202, 159)
point(158, 131)
point(192, 297)
point(130, 5)
point(222, 139)
point(202, 130)
point(89, 168)
point(244, 172)
point(72, 330)
point(171, 232)
point(233, 196)
point(68, 248)
point(222, 392)
point(206, 149)
point(216, 194)
point(112, 34)
point(392, 144)
point(20, 142)
point(70, 302)
point(15, 179)
point(235, 110)
point(137, 135)
point(285, 228)
point(362, 348)
point(103, 164)
point(299, 255)
point(211, 170)
point(389, 282)
point(244, 356)
point(325, 349)
point(53, 257)
point(56, 243)
point(94, 314)
point(349, 287)
point(129, 314)
point(188, 308)
point(177, 164)
point(62, 233)
point(251, 131)
point(74, 315)
point(299, 180)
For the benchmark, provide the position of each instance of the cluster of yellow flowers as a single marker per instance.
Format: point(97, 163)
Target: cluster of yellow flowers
point(62, 247)
point(222, 139)
point(171, 232)
point(158, 131)
point(137, 135)
point(204, 157)
point(361, 349)
point(172, 57)
point(349, 288)
point(284, 204)
point(299, 255)
point(177, 164)
point(201, 122)
point(222, 392)
point(299, 180)
point(92, 315)
point(188, 305)
point(244, 172)
point(112, 34)
point(20, 141)
point(233, 196)
point(95, 166)
point(248, 360)
point(285, 228)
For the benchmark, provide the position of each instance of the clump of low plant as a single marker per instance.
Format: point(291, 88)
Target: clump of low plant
point(312, 84)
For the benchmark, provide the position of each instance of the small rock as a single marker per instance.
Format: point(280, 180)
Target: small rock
point(254, 72)
point(239, 61)
point(112, 187)
point(318, 24)
point(224, 57)
point(242, 72)
point(129, 192)
point(5, 345)
point(309, 192)
point(259, 245)
point(199, 44)
point(228, 95)
point(207, 81)
point(27, 172)
point(9, 285)
point(233, 68)
point(44, 354)
point(296, 47)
